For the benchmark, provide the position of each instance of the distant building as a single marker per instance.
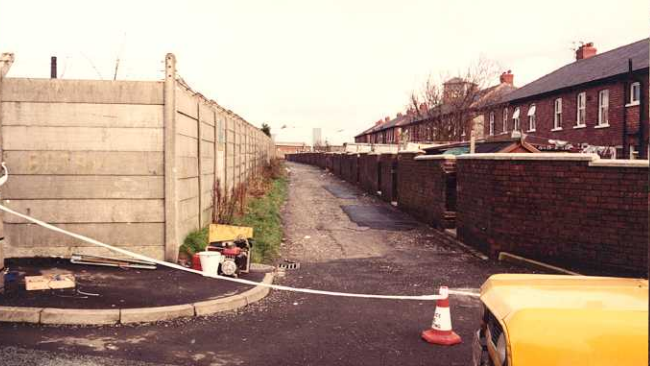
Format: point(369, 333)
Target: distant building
point(283, 148)
point(317, 137)
point(432, 125)
point(596, 104)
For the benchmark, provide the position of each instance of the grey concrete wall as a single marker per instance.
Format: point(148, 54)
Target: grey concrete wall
point(86, 156)
point(128, 163)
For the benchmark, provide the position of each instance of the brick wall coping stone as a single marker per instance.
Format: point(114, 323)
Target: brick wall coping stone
point(529, 156)
point(436, 157)
point(593, 159)
point(411, 152)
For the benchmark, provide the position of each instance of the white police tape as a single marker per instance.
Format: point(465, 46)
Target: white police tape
point(237, 280)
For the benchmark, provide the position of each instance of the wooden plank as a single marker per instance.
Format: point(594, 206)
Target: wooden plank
point(82, 91)
point(187, 167)
point(188, 208)
point(153, 251)
point(82, 138)
point(186, 147)
point(79, 211)
point(187, 188)
point(49, 282)
point(84, 162)
point(83, 186)
point(186, 103)
point(81, 115)
point(120, 234)
point(186, 126)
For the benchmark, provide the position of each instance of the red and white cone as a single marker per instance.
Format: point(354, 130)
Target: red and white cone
point(441, 331)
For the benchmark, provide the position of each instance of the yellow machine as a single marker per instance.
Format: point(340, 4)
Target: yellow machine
point(562, 320)
point(235, 244)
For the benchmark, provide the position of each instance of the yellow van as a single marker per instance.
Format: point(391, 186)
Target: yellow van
point(549, 320)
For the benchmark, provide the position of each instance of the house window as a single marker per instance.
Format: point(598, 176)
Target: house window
point(581, 107)
point(515, 120)
point(603, 108)
point(505, 119)
point(635, 93)
point(557, 116)
point(531, 118)
point(491, 123)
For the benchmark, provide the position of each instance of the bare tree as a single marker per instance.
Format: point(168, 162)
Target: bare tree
point(450, 107)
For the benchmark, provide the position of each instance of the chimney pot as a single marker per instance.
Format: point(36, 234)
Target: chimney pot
point(507, 77)
point(586, 51)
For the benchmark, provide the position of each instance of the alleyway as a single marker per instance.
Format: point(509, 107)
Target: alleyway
point(395, 256)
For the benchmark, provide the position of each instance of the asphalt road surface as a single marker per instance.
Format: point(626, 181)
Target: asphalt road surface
point(300, 329)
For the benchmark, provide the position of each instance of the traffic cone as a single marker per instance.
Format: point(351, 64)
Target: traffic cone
point(441, 332)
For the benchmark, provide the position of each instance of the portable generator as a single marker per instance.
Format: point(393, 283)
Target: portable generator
point(235, 244)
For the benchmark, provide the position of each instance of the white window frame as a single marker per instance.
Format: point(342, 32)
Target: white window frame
point(581, 106)
point(532, 120)
point(557, 115)
point(635, 99)
point(603, 108)
point(491, 123)
point(516, 119)
point(505, 119)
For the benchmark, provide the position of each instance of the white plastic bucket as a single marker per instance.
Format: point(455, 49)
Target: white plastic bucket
point(210, 262)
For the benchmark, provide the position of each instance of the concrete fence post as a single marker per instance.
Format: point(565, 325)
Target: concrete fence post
point(169, 122)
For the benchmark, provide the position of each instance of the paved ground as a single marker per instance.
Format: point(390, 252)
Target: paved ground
point(108, 287)
point(299, 329)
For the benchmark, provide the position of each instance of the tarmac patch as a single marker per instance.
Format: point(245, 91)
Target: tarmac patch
point(379, 217)
point(339, 191)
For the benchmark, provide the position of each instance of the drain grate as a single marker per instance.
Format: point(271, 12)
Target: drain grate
point(289, 265)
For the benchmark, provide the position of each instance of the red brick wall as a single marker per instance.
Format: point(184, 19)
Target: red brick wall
point(609, 136)
point(423, 189)
point(388, 162)
point(368, 173)
point(564, 212)
point(349, 167)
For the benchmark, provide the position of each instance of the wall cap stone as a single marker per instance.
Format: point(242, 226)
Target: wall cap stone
point(436, 157)
point(608, 163)
point(593, 159)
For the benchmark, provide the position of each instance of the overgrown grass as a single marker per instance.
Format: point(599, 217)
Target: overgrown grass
point(263, 215)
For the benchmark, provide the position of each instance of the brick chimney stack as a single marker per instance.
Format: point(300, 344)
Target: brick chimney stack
point(507, 77)
point(423, 108)
point(379, 122)
point(585, 51)
point(387, 119)
point(399, 115)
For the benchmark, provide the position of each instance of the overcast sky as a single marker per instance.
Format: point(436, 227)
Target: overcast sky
point(339, 65)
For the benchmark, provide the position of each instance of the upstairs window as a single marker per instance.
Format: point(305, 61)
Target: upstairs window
point(515, 120)
point(557, 116)
point(635, 93)
point(491, 123)
point(505, 119)
point(581, 104)
point(531, 118)
point(603, 108)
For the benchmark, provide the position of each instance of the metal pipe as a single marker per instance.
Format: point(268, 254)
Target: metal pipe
point(53, 67)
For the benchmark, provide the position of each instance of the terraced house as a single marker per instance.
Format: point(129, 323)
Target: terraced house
point(599, 103)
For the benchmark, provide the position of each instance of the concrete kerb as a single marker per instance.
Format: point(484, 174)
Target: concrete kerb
point(138, 315)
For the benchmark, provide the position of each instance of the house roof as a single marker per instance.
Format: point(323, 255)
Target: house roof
point(601, 66)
